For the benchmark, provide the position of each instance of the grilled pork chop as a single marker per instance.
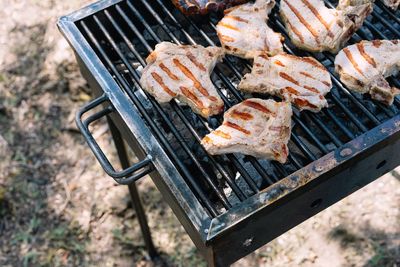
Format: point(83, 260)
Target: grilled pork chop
point(256, 127)
point(183, 72)
point(393, 4)
point(244, 31)
point(302, 80)
point(192, 7)
point(314, 27)
point(363, 67)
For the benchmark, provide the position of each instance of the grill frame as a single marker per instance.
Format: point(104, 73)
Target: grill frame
point(235, 233)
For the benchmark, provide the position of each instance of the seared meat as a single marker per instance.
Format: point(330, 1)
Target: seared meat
point(244, 31)
point(394, 4)
point(183, 72)
point(255, 127)
point(314, 27)
point(192, 7)
point(302, 80)
point(363, 67)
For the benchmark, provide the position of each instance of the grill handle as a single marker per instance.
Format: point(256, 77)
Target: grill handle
point(126, 176)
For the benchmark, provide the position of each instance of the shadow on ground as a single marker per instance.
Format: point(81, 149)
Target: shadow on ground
point(384, 247)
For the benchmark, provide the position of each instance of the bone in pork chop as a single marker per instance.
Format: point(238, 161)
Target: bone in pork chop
point(314, 27)
point(256, 127)
point(183, 72)
point(243, 31)
point(363, 67)
point(393, 4)
point(302, 80)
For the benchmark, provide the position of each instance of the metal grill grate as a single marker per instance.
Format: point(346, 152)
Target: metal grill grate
point(124, 34)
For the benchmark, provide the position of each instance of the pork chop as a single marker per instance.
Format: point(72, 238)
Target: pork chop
point(314, 27)
point(302, 80)
point(363, 67)
point(393, 4)
point(183, 72)
point(256, 127)
point(243, 31)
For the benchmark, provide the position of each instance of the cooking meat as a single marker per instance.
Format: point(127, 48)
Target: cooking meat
point(256, 127)
point(302, 80)
point(314, 27)
point(244, 31)
point(363, 67)
point(394, 4)
point(183, 72)
point(192, 7)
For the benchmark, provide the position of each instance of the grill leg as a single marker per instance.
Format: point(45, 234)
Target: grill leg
point(123, 157)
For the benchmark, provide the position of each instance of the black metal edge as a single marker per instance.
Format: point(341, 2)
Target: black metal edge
point(89, 10)
point(316, 172)
point(198, 216)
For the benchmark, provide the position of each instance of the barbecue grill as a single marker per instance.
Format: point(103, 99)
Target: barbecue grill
point(233, 204)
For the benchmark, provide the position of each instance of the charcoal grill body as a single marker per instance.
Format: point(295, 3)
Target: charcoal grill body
point(236, 231)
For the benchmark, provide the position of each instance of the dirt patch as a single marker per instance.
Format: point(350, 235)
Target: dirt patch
point(58, 208)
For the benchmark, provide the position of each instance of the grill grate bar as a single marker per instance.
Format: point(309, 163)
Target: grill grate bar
point(301, 144)
point(340, 124)
point(205, 200)
point(295, 162)
point(322, 125)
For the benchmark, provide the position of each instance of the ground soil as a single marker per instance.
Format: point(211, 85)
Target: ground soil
point(58, 208)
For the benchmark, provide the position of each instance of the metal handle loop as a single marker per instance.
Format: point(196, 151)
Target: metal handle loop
point(126, 176)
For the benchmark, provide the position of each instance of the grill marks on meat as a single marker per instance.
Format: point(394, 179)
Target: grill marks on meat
point(183, 72)
point(302, 80)
point(192, 7)
point(244, 32)
point(314, 27)
point(363, 67)
point(262, 129)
